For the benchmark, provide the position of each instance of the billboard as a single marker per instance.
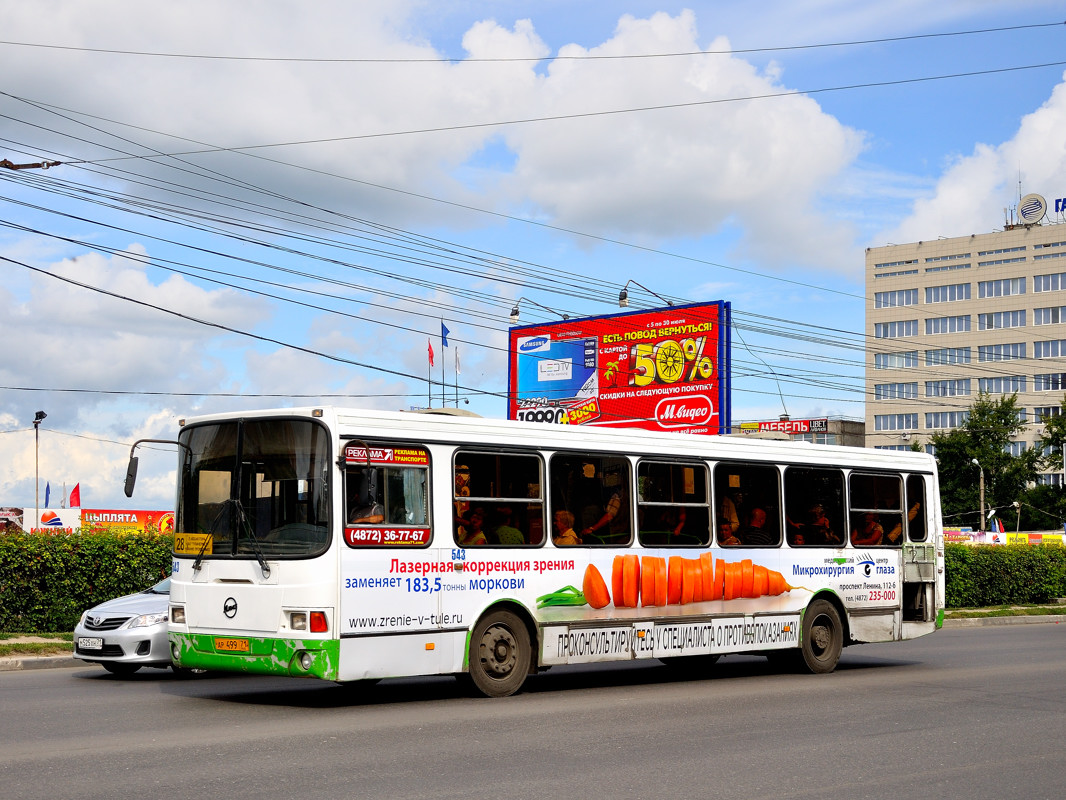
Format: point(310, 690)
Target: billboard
point(666, 369)
point(789, 426)
point(158, 522)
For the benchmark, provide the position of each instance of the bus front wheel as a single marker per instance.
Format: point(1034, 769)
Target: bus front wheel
point(499, 654)
point(822, 638)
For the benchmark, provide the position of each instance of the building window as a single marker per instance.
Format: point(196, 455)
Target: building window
point(1014, 448)
point(896, 360)
point(896, 391)
point(1052, 315)
point(1052, 349)
point(956, 257)
point(997, 261)
point(1049, 479)
point(1002, 250)
point(945, 419)
point(887, 264)
point(1001, 352)
point(1002, 384)
point(947, 294)
point(896, 330)
point(1048, 382)
point(1001, 319)
point(1001, 288)
point(947, 267)
point(1046, 246)
point(897, 274)
point(952, 388)
point(1052, 282)
point(901, 297)
point(892, 447)
point(896, 422)
point(1042, 413)
point(959, 324)
point(947, 355)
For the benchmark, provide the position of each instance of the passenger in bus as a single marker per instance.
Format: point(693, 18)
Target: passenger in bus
point(367, 511)
point(816, 531)
point(610, 511)
point(868, 532)
point(505, 532)
point(754, 533)
point(472, 533)
point(895, 535)
point(728, 515)
point(564, 527)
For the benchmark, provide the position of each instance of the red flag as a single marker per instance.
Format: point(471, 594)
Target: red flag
point(430, 345)
point(75, 496)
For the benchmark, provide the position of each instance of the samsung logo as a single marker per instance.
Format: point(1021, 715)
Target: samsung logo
point(533, 344)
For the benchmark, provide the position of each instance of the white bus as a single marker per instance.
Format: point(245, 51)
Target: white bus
point(354, 545)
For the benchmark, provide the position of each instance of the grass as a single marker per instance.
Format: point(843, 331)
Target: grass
point(57, 644)
point(1005, 611)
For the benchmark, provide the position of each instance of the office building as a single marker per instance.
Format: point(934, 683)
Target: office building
point(948, 318)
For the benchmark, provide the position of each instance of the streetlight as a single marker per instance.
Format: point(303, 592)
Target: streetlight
point(982, 490)
point(514, 311)
point(623, 296)
point(38, 418)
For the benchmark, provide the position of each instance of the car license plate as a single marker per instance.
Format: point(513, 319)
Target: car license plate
point(225, 645)
point(86, 643)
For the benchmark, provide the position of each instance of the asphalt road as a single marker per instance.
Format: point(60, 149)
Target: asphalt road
point(973, 713)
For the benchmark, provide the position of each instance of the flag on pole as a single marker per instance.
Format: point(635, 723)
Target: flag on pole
point(429, 344)
point(444, 333)
point(47, 491)
point(75, 496)
point(457, 370)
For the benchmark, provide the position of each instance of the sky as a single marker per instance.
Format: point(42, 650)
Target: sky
point(271, 204)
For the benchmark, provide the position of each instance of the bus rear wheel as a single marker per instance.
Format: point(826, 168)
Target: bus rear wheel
point(822, 638)
point(499, 654)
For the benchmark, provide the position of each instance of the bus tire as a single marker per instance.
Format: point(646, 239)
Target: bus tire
point(499, 654)
point(822, 638)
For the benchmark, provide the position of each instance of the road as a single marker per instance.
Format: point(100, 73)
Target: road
point(973, 713)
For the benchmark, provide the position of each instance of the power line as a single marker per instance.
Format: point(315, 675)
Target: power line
point(506, 59)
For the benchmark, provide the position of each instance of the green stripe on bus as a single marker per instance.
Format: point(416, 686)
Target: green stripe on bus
point(264, 656)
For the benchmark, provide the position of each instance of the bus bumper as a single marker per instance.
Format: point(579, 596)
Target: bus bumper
point(302, 658)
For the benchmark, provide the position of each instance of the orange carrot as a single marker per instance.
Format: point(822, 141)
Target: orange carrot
point(777, 583)
point(747, 578)
point(697, 580)
point(719, 579)
point(617, 582)
point(630, 580)
point(762, 582)
point(661, 582)
point(647, 581)
point(673, 586)
point(707, 561)
point(730, 582)
point(688, 580)
point(594, 589)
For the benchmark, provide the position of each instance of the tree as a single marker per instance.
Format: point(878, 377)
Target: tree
point(985, 436)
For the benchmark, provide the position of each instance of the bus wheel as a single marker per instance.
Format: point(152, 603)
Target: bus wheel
point(823, 637)
point(499, 654)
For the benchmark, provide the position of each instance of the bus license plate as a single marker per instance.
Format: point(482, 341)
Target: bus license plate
point(90, 644)
point(231, 645)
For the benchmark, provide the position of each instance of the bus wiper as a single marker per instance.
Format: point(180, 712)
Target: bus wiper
point(255, 542)
point(210, 537)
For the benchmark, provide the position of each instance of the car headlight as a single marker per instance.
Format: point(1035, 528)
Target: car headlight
point(145, 620)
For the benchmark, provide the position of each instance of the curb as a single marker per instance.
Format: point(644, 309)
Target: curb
point(39, 662)
point(978, 622)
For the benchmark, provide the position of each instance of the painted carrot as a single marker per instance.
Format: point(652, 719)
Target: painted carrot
point(747, 578)
point(617, 580)
point(674, 580)
point(647, 581)
point(707, 564)
point(719, 579)
point(688, 580)
point(594, 588)
point(630, 580)
point(730, 588)
point(661, 582)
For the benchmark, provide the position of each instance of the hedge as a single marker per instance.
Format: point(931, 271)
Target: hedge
point(48, 580)
point(994, 575)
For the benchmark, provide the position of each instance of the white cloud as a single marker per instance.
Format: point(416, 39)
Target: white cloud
point(972, 192)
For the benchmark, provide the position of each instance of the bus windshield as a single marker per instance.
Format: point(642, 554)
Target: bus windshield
point(256, 488)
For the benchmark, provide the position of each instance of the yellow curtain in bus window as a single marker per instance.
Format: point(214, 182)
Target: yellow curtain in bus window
point(190, 543)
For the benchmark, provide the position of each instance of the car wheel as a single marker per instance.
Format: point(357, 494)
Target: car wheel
point(823, 637)
point(119, 668)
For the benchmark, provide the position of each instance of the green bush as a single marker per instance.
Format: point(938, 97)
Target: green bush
point(994, 575)
point(48, 580)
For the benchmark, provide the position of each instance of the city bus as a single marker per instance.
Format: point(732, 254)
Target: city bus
point(358, 545)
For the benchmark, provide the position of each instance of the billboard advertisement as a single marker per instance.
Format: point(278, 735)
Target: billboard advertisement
point(158, 522)
point(666, 369)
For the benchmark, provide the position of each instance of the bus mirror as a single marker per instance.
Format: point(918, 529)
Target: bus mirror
point(131, 476)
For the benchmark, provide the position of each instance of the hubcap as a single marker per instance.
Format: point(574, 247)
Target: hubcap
point(499, 651)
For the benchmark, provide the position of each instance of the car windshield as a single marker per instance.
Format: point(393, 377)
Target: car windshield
point(163, 587)
point(256, 487)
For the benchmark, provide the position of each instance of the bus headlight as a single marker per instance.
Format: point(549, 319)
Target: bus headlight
point(298, 620)
point(305, 660)
point(177, 615)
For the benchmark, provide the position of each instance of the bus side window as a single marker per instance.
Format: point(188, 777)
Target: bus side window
point(814, 507)
point(498, 499)
point(673, 505)
point(747, 505)
point(595, 490)
point(916, 531)
point(876, 510)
